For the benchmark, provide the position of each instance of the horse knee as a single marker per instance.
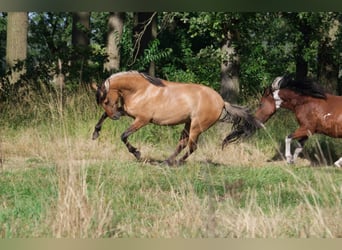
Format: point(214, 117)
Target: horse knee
point(124, 136)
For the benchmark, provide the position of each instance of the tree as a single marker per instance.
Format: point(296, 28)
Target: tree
point(154, 31)
point(80, 41)
point(328, 55)
point(16, 43)
point(306, 36)
point(222, 29)
point(50, 50)
point(115, 29)
point(3, 23)
point(230, 65)
point(144, 31)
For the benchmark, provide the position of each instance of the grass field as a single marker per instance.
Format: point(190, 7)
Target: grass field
point(56, 182)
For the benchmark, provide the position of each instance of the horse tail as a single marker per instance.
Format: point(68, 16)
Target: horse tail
point(244, 123)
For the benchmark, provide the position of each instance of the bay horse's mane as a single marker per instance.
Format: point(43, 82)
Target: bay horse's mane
point(305, 87)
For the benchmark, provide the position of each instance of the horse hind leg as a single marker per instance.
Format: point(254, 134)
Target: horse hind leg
point(192, 146)
point(182, 143)
point(192, 142)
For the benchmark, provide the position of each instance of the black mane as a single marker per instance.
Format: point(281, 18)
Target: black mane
point(305, 87)
point(155, 81)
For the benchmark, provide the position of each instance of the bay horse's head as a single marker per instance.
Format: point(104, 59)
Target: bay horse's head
point(108, 99)
point(270, 100)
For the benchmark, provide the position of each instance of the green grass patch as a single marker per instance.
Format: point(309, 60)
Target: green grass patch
point(56, 182)
point(140, 193)
point(25, 198)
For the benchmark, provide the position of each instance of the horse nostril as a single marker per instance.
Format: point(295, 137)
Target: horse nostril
point(116, 116)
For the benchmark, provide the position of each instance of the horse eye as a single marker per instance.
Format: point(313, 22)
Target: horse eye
point(106, 102)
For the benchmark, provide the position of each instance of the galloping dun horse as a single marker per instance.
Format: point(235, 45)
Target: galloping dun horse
point(152, 100)
point(315, 110)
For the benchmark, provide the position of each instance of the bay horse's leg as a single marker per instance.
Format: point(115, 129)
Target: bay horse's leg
point(183, 141)
point(338, 163)
point(299, 149)
point(302, 135)
point(137, 124)
point(288, 155)
point(98, 125)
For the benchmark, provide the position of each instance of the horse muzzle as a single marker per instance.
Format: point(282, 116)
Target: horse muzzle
point(116, 115)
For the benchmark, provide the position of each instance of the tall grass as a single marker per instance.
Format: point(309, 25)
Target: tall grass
point(56, 182)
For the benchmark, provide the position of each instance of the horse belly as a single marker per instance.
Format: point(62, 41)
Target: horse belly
point(170, 117)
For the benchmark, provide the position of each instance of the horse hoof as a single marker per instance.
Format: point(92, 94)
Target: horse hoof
point(95, 135)
point(137, 155)
point(180, 162)
point(289, 160)
point(168, 163)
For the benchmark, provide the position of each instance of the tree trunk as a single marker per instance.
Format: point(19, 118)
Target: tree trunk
point(16, 45)
point(328, 67)
point(80, 41)
point(115, 29)
point(152, 68)
point(229, 72)
point(80, 28)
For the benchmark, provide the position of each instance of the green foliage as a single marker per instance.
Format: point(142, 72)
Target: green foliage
point(152, 54)
point(187, 48)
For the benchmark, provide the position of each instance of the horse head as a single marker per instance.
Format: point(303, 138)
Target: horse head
point(270, 100)
point(108, 99)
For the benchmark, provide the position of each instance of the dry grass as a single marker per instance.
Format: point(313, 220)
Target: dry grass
point(101, 191)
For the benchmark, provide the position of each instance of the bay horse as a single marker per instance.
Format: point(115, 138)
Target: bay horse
point(148, 99)
point(316, 111)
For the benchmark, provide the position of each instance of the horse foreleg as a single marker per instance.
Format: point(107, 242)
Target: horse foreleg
point(299, 149)
point(98, 126)
point(183, 141)
point(338, 163)
point(124, 137)
point(288, 155)
point(302, 135)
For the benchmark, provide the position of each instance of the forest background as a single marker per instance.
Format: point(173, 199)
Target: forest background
point(238, 54)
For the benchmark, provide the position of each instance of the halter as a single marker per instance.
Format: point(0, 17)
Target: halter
point(275, 91)
point(106, 84)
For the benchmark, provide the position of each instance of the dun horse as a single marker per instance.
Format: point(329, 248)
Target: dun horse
point(152, 100)
point(315, 110)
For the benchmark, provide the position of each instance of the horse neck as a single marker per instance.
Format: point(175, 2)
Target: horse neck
point(124, 86)
point(291, 99)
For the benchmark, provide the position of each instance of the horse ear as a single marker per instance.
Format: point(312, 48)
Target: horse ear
point(94, 86)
